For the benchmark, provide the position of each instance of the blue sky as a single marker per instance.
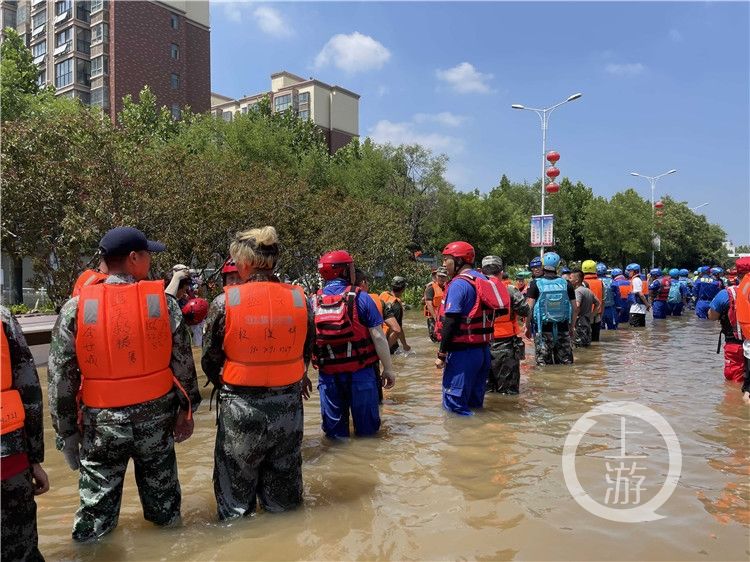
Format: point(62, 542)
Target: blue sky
point(665, 85)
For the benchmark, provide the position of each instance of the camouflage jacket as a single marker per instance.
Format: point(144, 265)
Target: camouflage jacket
point(25, 380)
point(213, 338)
point(65, 375)
point(518, 302)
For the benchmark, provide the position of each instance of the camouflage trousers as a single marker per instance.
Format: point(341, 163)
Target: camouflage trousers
point(113, 436)
point(258, 453)
point(551, 350)
point(505, 366)
point(19, 535)
point(583, 332)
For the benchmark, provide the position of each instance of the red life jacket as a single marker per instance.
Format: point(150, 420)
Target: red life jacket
point(342, 343)
point(664, 284)
point(12, 412)
point(730, 325)
point(478, 326)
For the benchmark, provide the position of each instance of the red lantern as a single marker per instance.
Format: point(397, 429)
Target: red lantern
point(553, 156)
point(552, 187)
point(552, 172)
point(658, 204)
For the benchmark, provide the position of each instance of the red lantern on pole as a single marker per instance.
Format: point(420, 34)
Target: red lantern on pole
point(553, 156)
point(552, 172)
point(658, 204)
point(552, 187)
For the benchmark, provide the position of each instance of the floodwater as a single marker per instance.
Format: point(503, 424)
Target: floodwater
point(439, 487)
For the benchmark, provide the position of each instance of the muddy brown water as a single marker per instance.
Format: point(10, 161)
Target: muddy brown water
point(439, 487)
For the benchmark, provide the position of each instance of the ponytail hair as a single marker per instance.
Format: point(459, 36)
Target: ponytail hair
point(257, 248)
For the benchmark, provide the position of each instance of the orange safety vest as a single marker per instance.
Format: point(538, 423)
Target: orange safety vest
point(264, 338)
point(742, 305)
point(437, 299)
point(506, 325)
point(596, 286)
point(123, 344)
point(387, 298)
point(88, 277)
point(378, 303)
point(12, 413)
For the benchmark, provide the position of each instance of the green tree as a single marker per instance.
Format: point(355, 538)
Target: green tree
point(18, 75)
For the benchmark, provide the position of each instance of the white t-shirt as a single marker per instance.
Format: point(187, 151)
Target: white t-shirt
point(638, 307)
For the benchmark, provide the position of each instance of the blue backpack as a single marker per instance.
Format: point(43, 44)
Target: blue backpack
point(609, 297)
point(675, 295)
point(553, 305)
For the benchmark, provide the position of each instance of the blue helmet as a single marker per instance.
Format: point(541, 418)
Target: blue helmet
point(684, 273)
point(633, 267)
point(535, 262)
point(601, 269)
point(616, 271)
point(674, 273)
point(656, 272)
point(565, 269)
point(551, 260)
point(704, 269)
point(716, 271)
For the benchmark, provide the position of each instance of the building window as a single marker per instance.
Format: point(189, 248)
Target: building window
point(100, 32)
point(282, 103)
point(175, 80)
point(40, 49)
point(85, 97)
point(83, 40)
point(97, 5)
point(174, 21)
point(41, 79)
point(64, 73)
point(243, 110)
point(83, 72)
point(38, 20)
point(227, 116)
point(62, 6)
point(100, 97)
point(99, 66)
point(176, 112)
point(175, 51)
point(63, 41)
point(83, 10)
point(304, 114)
point(303, 105)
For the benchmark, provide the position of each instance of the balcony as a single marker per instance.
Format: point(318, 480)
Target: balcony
point(62, 17)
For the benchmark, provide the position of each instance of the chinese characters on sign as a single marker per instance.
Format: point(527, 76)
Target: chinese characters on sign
point(623, 478)
point(542, 227)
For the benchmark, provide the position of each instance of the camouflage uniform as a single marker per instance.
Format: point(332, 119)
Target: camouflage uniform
point(112, 436)
point(507, 353)
point(19, 534)
point(258, 451)
point(551, 350)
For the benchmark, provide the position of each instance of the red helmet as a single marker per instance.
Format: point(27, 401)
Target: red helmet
point(462, 250)
point(229, 267)
point(743, 266)
point(331, 265)
point(195, 311)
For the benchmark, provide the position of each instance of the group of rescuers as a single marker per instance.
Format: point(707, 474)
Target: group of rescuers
point(123, 384)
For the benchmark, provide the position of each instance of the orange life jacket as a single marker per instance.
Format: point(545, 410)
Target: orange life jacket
point(387, 298)
point(742, 305)
point(264, 337)
point(596, 286)
point(436, 299)
point(507, 282)
point(88, 277)
point(12, 414)
point(378, 302)
point(123, 344)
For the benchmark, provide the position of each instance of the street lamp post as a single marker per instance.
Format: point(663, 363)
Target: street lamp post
point(652, 180)
point(544, 118)
point(698, 207)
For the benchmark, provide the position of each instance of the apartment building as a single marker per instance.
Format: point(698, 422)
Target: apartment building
point(333, 109)
point(98, 51)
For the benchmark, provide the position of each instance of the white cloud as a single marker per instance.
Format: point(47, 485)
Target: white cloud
point(353, 53)
point(443, 118)
point(675, 35)
point(386, 131)
point(233, 11)
point(465, 79)
point(626, 69)
point(270, 22)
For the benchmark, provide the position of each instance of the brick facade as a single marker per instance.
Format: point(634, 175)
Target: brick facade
point(141, 38)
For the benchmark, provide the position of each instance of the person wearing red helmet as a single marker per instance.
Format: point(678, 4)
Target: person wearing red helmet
point(731, 307)
point(349, 341)
point(229, 273)
point(465, 332)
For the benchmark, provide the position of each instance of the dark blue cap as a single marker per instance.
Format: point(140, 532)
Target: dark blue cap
point(122, 240)
point(565, 270)
point(536, 262)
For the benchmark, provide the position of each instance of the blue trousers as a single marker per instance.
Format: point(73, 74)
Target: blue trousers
point(609, 318)
point(701, 309)
point(660, 309)
point(623, 314)
point(358, 392)
point(465, 379)
point(675, 309)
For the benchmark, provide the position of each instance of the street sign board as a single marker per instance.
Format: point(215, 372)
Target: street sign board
point(542, 231)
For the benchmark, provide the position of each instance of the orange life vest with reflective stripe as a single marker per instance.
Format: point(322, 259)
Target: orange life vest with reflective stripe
point(88, 277)
point(506, 323)
point(12, 414)
point(742, 305)
point(264, 335)
point(596, 286)
point(123, 344)
point(437, 298)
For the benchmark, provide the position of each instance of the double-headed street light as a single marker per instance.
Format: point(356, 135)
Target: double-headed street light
point(544, 118)
point(652, 180)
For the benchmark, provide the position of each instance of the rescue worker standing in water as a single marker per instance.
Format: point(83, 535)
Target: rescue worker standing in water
point(126, 347)
point(594, 283)
point(433, 296)
point(256, 351)
point(22, 444)
point(621, 288)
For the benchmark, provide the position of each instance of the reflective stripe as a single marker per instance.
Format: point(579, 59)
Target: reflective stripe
point(298, 300)
point(90, 311)
point(497, 294)
point(234, 296)
point(153, 305)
